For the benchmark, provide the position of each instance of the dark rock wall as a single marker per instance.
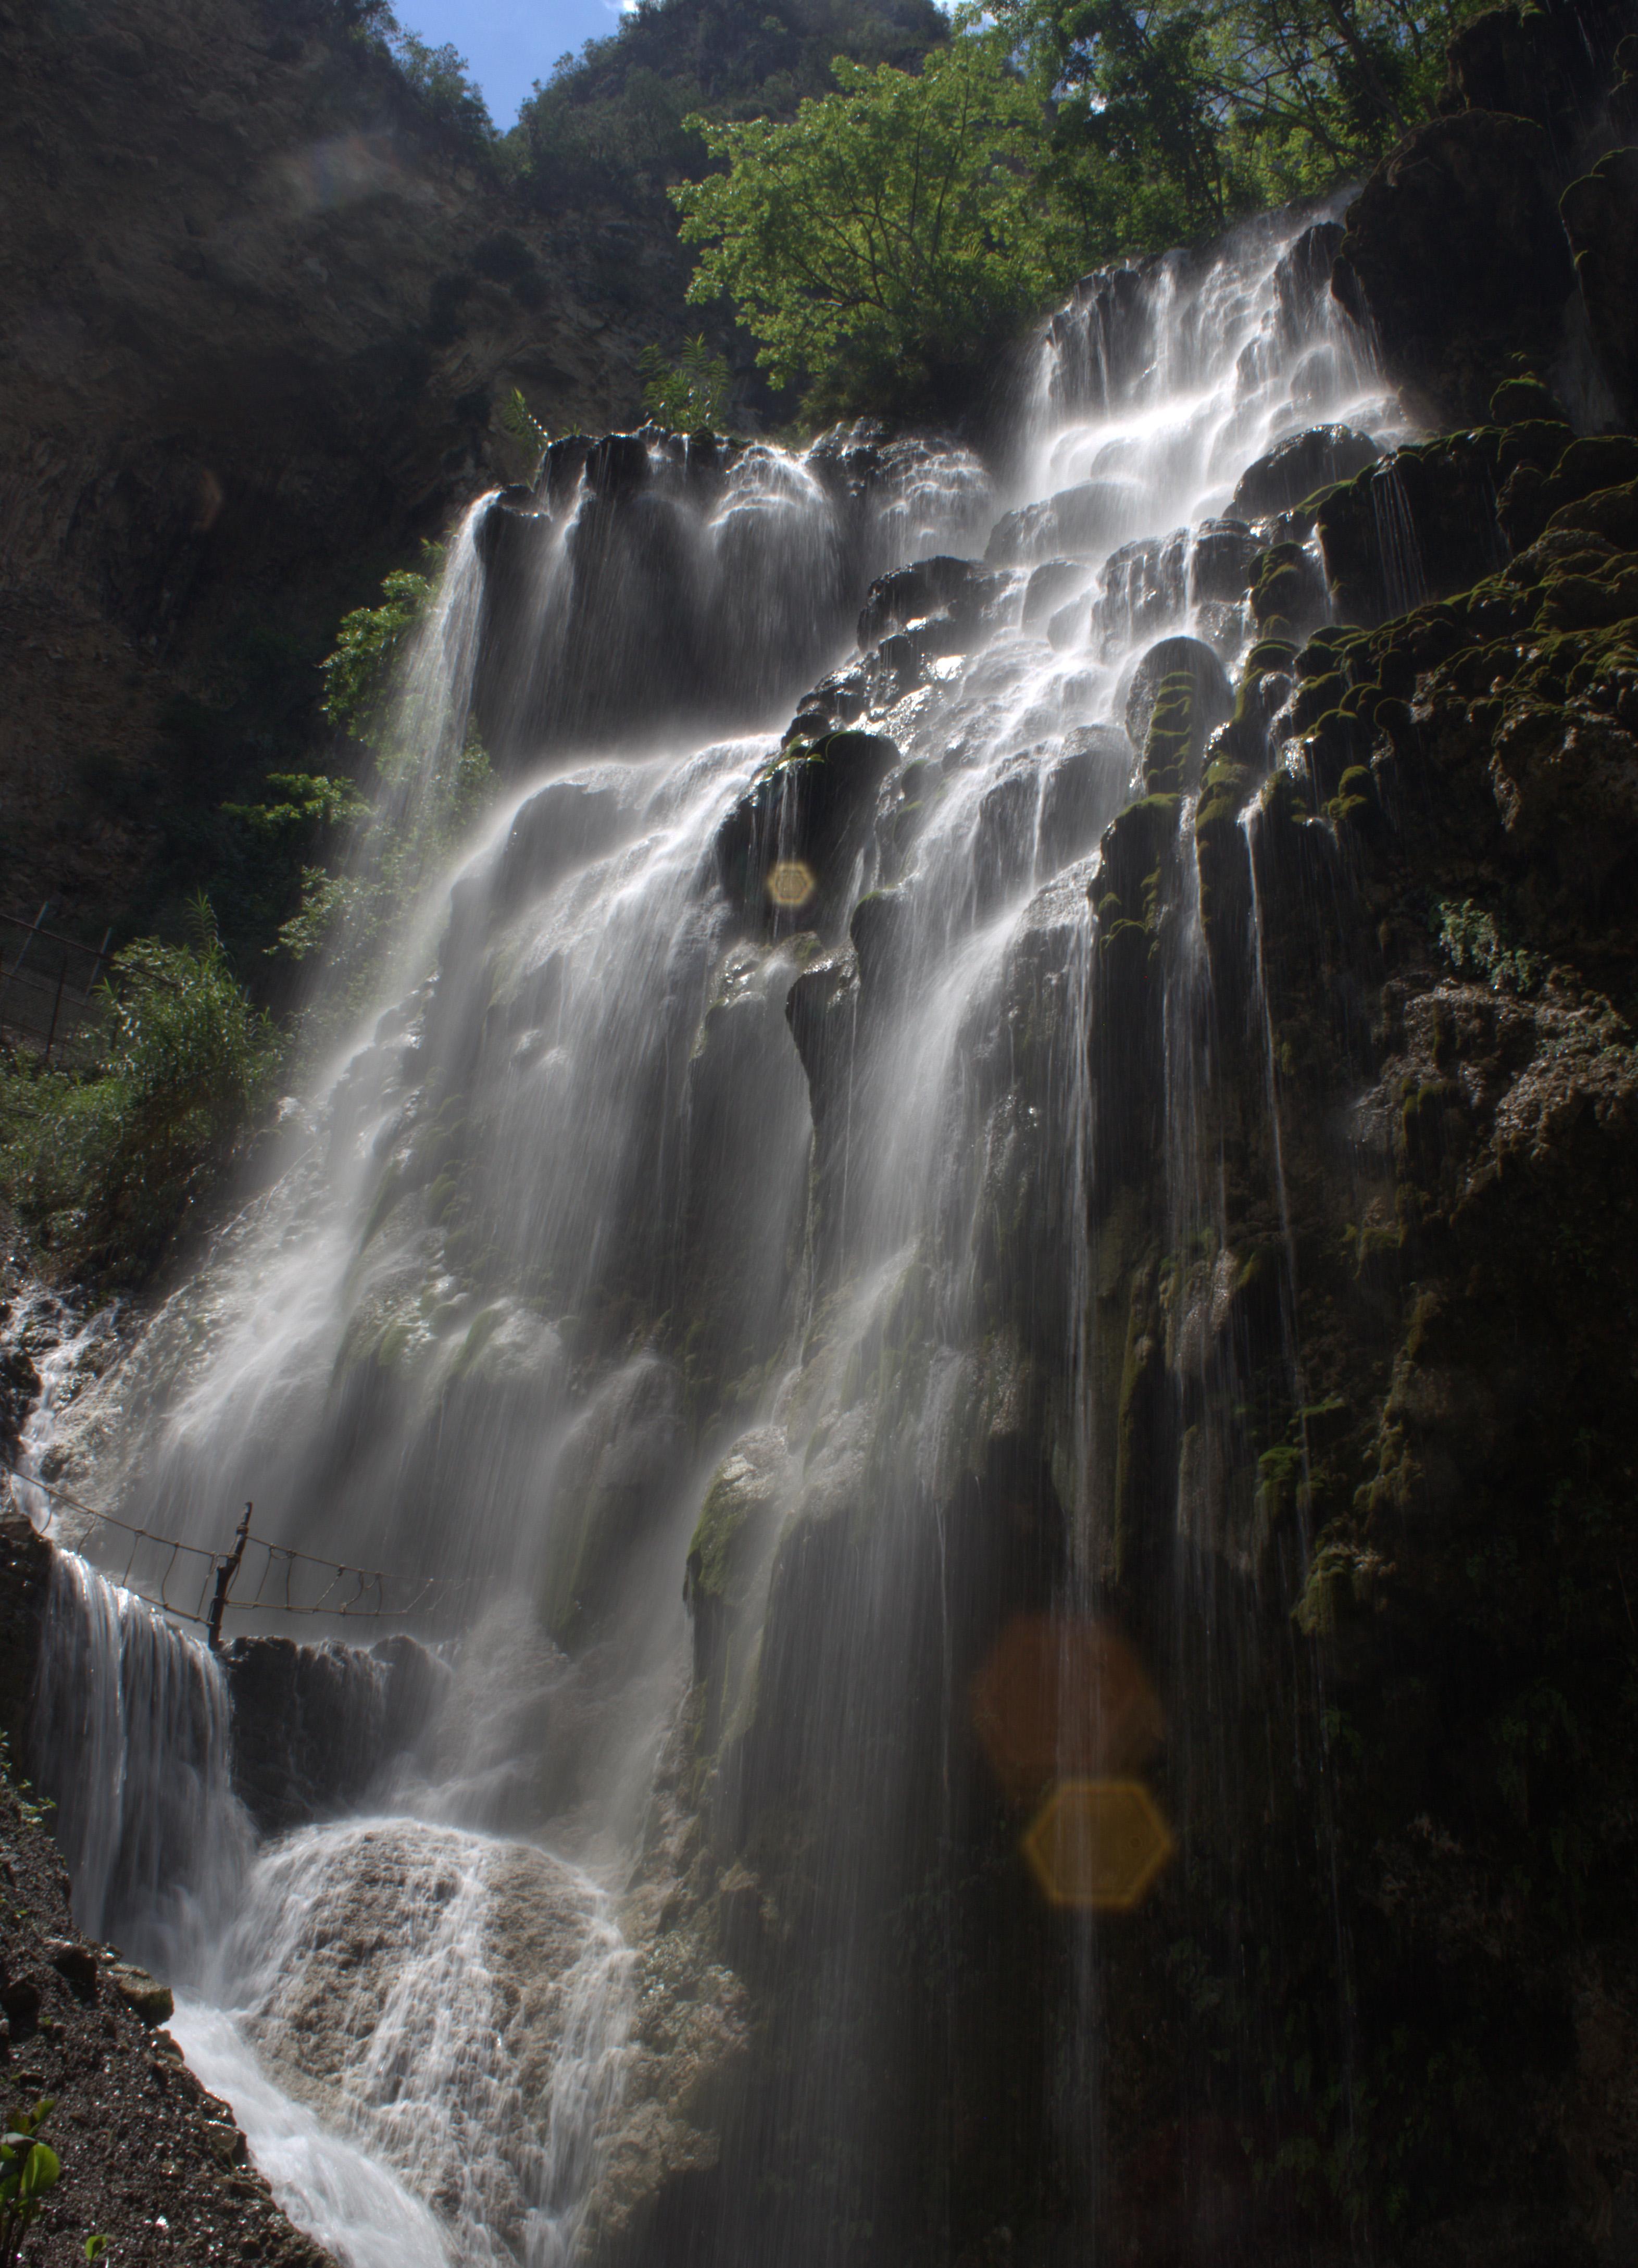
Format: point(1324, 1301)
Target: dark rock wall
point(253, 340)
point(1481, 239)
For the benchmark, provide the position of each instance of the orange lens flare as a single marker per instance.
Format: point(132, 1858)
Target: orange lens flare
point(1099, 1844)
point(1061, 1697)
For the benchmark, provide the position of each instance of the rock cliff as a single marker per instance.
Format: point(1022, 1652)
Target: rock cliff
point(256, 318)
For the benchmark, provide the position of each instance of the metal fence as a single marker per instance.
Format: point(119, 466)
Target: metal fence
point(51, 993)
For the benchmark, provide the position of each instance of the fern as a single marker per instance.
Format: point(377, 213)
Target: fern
point(521, 426)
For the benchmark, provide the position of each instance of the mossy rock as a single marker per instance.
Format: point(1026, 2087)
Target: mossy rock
point(728, 1557)
point(1288, 596)
point(1179, 691)
point(1525, 399)
point(803, 818)
point(1419, 526)
point(1611, 513)
point(1138, 848)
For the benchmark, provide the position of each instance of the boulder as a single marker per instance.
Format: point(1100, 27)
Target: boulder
point(1181, 687)
point(1050, 583)
point(1087, 783)
point(946, 595)
point(1288, 596)
point(1294, 468)
point(1415, 527)
point(1220, 560)
point(1142, 587)
point(143, 1995)
point(1077, 523)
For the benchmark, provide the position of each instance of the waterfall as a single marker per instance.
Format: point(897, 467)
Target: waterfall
point(733, 1203)
point(130, 1740)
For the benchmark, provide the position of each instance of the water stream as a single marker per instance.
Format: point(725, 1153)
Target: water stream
point(571, 1226)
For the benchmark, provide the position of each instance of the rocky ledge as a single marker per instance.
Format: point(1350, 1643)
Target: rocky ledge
point(149, 2158)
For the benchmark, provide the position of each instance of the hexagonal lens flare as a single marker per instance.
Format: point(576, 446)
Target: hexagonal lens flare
point(1098, 1844)
point(791, 883)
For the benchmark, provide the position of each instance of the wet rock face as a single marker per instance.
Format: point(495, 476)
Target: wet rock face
point(1600, 215)
point(1418, 526)
point(316, 1727)
point(416, 1992)
point(24, 1580)
point(606, 588)
point(787, 848)
point(1551, 65)
point(1450, 971)
point(1178, 693)
point(1294, 468)
point(1077, 523)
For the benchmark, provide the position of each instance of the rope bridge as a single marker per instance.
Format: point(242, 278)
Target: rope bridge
point(290, 1583)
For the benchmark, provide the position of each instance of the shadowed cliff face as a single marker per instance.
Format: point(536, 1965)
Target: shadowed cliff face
point(256, 318)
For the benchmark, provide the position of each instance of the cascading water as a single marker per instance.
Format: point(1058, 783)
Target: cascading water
point(585, 1285)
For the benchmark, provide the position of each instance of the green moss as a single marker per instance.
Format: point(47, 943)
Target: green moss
point(722, 1516)
point(483, 1329)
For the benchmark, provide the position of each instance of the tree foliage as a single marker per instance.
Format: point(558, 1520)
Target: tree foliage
point(101, 1168)
point(369, 644)
point(890, 235)
point(1170, 118)
point(612, 123)
point(431, 778)
point(894, 230)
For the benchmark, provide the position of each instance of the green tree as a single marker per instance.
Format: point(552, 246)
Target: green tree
point(370, 644)
point(884, 242)
point(1171, 117)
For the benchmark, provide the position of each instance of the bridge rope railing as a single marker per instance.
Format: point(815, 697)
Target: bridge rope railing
point(289, 1582)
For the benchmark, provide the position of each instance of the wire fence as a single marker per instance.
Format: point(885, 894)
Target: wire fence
point(197, 1585)
point(51, 995)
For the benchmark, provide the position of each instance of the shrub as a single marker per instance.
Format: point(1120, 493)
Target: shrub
point(102, 1168)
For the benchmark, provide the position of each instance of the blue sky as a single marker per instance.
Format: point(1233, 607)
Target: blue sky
point(508, 44)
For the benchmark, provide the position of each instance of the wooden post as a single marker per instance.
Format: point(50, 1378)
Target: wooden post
point(102, 954)
point(225, 1573)
point(56, 1007)
point(39, 924)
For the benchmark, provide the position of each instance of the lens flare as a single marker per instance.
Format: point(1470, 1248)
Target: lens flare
point(1100, 1844)
point(1063, 1696)
point(791, 883)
